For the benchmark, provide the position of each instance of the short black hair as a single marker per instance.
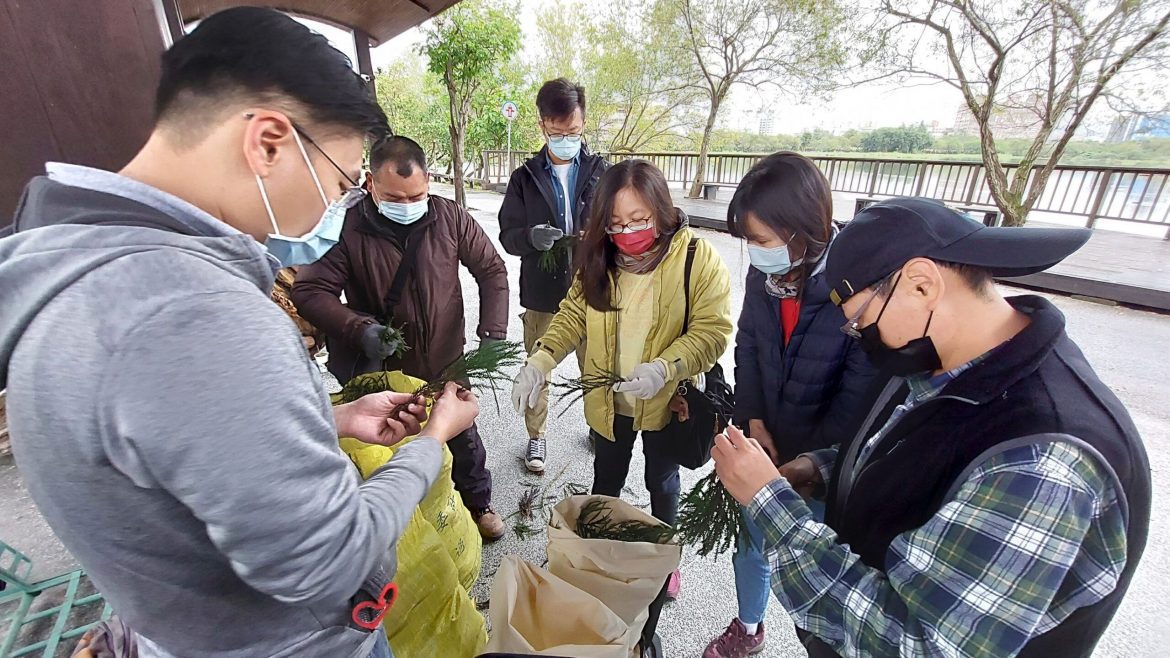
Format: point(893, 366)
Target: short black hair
point(402, 152)
point(558, 98)
point(262, 56)
point(789, 194)
point(978, 279)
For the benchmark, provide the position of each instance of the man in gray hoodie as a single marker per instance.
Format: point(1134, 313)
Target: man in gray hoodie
point(163, 411)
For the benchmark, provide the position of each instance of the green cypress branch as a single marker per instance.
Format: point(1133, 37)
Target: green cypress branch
point(710, 517)
point(550, 260)
point(596, 522)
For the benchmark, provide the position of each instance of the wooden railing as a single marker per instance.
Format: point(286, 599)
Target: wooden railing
point(1126, 194)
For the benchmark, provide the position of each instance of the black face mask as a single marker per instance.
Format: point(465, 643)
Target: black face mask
point(917, 356)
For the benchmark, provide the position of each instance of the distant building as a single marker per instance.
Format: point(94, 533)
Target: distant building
point(767, 123)
point(1019, 120)
point(1006, 122)
point(1133, 127)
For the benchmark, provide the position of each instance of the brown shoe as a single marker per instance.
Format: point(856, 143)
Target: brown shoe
point(491, 526)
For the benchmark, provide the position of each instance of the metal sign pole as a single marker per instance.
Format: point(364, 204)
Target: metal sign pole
point(509, 110)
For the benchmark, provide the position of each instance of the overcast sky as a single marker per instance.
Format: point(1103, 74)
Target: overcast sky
point(871, 106)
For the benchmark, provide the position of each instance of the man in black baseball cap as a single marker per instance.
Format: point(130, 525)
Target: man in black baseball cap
point(995, 500)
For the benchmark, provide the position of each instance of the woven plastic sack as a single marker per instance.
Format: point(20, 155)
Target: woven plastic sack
point(442, 507)
point(433, 616)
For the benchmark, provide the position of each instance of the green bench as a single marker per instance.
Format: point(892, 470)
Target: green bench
point(17, 595)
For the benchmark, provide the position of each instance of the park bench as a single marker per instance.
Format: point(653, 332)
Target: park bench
point(18, 593)
point(711, 190)
point(989, 215)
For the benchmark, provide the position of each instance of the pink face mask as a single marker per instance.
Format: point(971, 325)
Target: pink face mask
point(634, 244)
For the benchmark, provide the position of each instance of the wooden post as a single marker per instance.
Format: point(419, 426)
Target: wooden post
point(361, 43)
point(79, 81)
point(969, 198)
point(174, 19)
point(1099, 198)
point(922, 169)
point(873, 176)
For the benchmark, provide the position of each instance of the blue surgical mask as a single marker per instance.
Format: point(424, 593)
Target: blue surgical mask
point(774, 260)
point(291, 250)
point(403, 213)
point(564, 147)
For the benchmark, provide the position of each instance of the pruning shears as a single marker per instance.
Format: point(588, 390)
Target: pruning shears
point(369, 614)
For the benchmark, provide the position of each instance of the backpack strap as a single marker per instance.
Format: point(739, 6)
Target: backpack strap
point(404, 272)
point(687, 283)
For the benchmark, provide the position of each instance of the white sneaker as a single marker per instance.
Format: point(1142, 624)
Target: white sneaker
point(534, 460)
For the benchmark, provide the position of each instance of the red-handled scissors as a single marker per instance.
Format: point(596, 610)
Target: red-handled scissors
point(377, 608)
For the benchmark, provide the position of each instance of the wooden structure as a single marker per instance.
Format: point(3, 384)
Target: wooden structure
point(1097, 195)
point(79, 76)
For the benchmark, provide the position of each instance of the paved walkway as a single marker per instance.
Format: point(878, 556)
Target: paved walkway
point(708, 603)
point(1122, 267)
point(1139, 630)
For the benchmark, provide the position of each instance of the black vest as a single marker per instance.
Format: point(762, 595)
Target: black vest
point(1037, 387)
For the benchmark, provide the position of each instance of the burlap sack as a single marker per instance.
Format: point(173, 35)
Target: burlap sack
point(535, 613)
point(625, 576)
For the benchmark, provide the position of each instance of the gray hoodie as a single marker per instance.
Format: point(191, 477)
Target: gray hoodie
point(175, 434)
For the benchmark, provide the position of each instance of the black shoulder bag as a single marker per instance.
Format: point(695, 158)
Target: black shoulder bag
point(710, 410)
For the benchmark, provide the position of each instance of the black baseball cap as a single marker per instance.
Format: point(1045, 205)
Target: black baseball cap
point(885, 236)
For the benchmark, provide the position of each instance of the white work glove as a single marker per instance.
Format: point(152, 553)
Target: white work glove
point(527, 387)
point(543, 237)
point(645, 381)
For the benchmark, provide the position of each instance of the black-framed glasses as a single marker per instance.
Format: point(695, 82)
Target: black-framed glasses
point(352, 195)
point(320, 150)
point(850, 327)
point(633, 226)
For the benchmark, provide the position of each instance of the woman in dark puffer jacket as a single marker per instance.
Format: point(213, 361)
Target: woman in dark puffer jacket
point(798, 379)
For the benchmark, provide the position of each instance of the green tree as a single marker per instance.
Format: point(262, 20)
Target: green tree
point(487, 127)
point(415, 102)
point(897, 140)
point(791, 44)
point(637, 99)
point(1053, 59)
point(466, 46)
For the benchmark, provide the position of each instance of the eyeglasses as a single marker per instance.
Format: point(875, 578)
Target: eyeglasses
point(633, 226)
point(355, 193)
point(850, 327)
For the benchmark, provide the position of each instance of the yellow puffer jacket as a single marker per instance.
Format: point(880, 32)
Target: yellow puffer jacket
point(707, 337)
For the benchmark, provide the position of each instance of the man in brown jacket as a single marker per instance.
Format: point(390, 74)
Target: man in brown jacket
point(398, 263)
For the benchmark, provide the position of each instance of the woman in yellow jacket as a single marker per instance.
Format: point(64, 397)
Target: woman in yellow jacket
point(627, 304)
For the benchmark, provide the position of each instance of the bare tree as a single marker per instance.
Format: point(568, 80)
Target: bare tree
point(636, 85)
point(1054, 58)
point(791, 44)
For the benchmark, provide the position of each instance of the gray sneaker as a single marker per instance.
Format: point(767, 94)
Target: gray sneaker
point(535, 457)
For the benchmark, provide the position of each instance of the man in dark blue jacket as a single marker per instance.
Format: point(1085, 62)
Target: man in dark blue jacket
point(996, 499)
point(548, 199)
point(798, 379)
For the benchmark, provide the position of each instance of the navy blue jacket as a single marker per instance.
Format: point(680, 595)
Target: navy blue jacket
point(808, 392)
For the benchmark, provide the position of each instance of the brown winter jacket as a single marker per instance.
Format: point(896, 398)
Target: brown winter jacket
point(363, 264)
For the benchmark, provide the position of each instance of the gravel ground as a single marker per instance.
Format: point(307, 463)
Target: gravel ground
point(1126, 346)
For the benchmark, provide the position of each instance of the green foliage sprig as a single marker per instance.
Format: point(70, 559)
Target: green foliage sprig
point(710, 517)
point(596, 522)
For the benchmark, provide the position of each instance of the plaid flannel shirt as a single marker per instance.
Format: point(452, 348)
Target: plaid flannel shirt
point(1032, 535)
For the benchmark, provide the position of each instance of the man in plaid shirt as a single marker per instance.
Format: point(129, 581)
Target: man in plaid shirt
point(995, 501)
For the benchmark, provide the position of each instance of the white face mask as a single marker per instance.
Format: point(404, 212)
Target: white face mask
point(290, 250)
